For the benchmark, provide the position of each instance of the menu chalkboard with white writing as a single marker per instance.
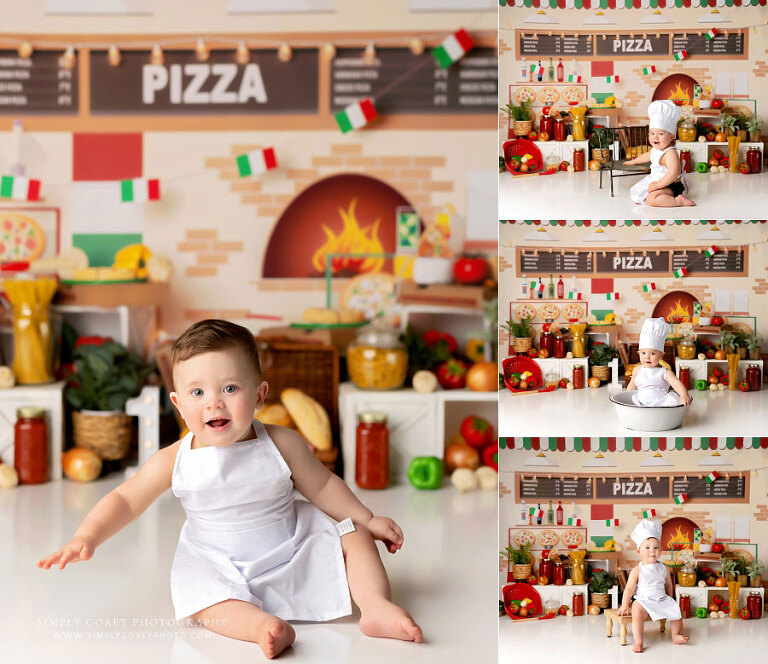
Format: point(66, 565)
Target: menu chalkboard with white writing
point(732, 44)
point(544, 262)
point(560, 45)
point(732, 488)
point(37, 85)
point(732, 261)
point(543, 487)
point(402, 82)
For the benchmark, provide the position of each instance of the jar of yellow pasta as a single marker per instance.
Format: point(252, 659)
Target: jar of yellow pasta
point(377, 359)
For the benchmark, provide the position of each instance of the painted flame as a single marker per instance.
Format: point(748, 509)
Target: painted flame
point(679, 93)
point(678, 538)
point(679, 311)
point(352, 240)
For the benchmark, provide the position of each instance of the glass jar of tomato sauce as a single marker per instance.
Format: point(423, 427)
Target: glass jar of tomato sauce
point(578, 604)
point(685, 377)
point(578, 377)
point(559, 347)
point(372, 452)
point(755, 604)
point(558, 575)
point(685, 605)
point(754, 377)
point(30, 445)
point(545, 568)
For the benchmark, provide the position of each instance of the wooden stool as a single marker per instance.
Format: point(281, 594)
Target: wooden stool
point(612, 616)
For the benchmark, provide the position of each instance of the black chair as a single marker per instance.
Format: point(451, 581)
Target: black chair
point(619, 144)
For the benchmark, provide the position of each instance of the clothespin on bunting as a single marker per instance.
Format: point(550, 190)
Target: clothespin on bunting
point(453, 48)
point(256, 161)
point(140, 190)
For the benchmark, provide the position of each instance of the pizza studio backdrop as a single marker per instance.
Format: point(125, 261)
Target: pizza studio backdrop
point(224, 119)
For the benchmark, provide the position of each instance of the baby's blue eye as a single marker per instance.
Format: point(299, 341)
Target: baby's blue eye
point(197, 392)
point(230, 389)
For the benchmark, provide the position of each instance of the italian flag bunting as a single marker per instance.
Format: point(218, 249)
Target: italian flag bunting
point(356, 115)
point(649, 69)
point(711, 34)
point(140, 190)
point(679, 274)
point(679, 500)
point(711, 251)
point(647, 288)
point(19, 188)
point(681, 55)
point(257, 161)
point(453, 48)
point(647, 514)
point(712, 477)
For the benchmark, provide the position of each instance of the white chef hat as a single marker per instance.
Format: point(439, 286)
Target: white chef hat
point(645, 529)
point(653, 334)
point(663, 114)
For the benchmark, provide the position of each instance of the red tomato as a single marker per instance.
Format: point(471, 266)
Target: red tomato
point(532, 136)
point(476, 431)
point(717, 103)
point(564, 382)
point(490, 456)
point(532, 352)
point(717, 547)
point(744, 168)
point(432, 337)
point(452, 375)
point(470, 269)
point(744, 386)
point(717, 320)
point(563, 610)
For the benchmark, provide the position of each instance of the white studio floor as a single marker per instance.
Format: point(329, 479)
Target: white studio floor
point(582, 641)
point(577, 196)
point(117, 606)
point(589, 412)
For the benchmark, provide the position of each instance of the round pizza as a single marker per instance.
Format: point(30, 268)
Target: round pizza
point(573, 311)
point(524, 538)
point(573, 94)
point(549, 311)
point(525, 94)
point(525, 311)
point(571, 538)
point(549, 95)
point(21, 237)
point(548, 538)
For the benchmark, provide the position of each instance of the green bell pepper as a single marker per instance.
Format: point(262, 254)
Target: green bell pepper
point(701, 384)
point(702, 167)
point(701, 612)
point(426, 472)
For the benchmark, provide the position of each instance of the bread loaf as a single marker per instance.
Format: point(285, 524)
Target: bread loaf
point(310, 417)
point(275, 413)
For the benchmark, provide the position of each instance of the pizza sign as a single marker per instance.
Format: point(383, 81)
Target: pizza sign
point(21, 238)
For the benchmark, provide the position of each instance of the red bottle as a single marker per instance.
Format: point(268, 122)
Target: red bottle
point(559, 513)
point(560, 288)
point(372, 453)
point(30, 446)
point(560, 71)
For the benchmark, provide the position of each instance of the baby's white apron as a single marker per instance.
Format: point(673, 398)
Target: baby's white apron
point(639, 191)
point(247, 537)
point(653, 389)
point(651, 594)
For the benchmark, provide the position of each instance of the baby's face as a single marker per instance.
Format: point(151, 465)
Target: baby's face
point(660, 139)
point(650, 550)
point(649, 357)
point(216, 394)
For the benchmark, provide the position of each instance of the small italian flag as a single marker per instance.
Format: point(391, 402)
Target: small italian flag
point(647, 288)
point(140, 190)
point(257, 161)
point(540, 514)
point(612, 79)
point(356, 115)
point(540, 288)
point(611, 522)
point(19, 188)
point(711, 34)
point(647, 514)
point(681, 55)
point(453, 48)
point(679, 274)
point(538, 70)
point(711, 251)
point(611, 296)
point(712, 477)
point(649, 69)
point(574, 522)
point(574, 295)
point(574, 78)
point(682, 498)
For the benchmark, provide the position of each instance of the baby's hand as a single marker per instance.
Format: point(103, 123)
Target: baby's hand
point(686, 399)
point(77, 549)
point(385, 529)
point(629, 163)
point(652, 187)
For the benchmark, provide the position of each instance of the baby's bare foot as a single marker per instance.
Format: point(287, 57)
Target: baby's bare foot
point(384, 619)
point(275, 636)
point(679, 639)
point(638, 647)
point(683, 201)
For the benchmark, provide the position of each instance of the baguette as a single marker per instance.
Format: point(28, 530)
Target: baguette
point(310, 417)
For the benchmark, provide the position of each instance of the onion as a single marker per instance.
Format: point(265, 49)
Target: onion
point(81, 464)
point(483, 377)
point(461, 455)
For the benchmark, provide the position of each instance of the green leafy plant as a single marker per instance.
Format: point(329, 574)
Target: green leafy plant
point(104, 376)
point(601, 137)
point(519, 330)
point(741, 565)
point(740, 339)
point(754, 342)
point(729, 567)
point(755, 567)
point(521, 112)
point(753, 123)
point(727, 341)
point(729, 122)
point(601, 355)
point(519, 556)
point(601, 581)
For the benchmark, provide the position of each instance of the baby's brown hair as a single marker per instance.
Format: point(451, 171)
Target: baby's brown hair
point(211, 335)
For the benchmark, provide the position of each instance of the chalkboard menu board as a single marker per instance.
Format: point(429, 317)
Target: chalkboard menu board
point(733, 488)
point(563, 46)
point(636, 263)
point(571, 262)
point(635, 46)
point(37, 85)
point(695, 262)
point(544, 488)
point(721, 45)
point(406, 83)
point(182, 85)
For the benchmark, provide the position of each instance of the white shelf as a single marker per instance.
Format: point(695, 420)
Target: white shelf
point(702, 596)
point(700, 368)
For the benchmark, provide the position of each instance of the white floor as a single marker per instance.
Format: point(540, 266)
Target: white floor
point(577, 196)
point(582, 641)
point(117, 606)
point(589, 412)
